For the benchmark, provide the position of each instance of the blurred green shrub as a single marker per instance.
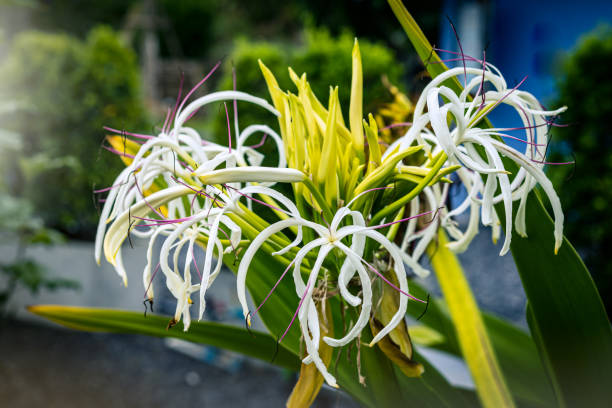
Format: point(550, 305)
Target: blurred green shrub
point(20, 226)
point(71, 89)
point(325, 59)
point(585, 87)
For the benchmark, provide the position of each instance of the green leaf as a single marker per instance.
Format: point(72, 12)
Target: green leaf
point(565, 313)
point(515, 350)
point(471, 333)
point(433, 63)
point(254, 344)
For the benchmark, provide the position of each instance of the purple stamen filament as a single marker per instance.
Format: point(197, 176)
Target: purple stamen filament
point(151, 280)
point(122, 132)
point(166, 120)
point(273, 288)
point(261, 143)
point(296, 313)
point(145, 199)
point(118, 153)
point(197, 269)
point(196, 87)
point(402, 220)
point(394, 125)
point(370, 267)
point(178, 98)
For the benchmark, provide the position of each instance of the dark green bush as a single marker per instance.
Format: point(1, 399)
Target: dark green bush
point(325, 59)
point(586, 89)
point(71, 89)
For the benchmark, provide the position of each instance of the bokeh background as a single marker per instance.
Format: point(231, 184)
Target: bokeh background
point(70, 67)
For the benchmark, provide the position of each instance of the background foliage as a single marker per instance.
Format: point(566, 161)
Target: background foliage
point(71, 89)
point(586, 190)
point(326, 59)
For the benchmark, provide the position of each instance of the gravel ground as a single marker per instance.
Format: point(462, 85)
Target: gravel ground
point(47, 367)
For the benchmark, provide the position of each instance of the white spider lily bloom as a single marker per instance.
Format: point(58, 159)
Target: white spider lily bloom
point(329, 238)
point(173, 152)
point(207, 222)
point(186, 233)
point(242, 155)
point(464, 144)
point(180, 287)
point(123, 224)
point(462, 239)
point(435, 198)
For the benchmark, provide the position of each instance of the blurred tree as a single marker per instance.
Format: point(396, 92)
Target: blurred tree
point(585, 87)
point(72, 88)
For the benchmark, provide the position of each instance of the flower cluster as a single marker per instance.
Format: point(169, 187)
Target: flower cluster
point(354, 214)
point(453, 128)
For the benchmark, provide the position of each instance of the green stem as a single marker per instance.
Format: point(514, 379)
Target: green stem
point(395, 206)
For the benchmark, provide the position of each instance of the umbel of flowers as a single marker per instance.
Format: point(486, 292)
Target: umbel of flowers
point(353, 222)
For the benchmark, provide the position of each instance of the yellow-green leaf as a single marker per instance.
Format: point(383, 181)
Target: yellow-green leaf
point(471, 333)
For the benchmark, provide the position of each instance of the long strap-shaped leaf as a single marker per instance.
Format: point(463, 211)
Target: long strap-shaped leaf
point(566, 315)
point(254, 344)
point(471, 333)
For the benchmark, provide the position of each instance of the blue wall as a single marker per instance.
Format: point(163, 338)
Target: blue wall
point(529, 38)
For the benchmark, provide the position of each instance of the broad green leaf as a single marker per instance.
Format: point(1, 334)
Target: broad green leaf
point(254, 344)
point(565, 314)
point(278, 309)
point(471, 333)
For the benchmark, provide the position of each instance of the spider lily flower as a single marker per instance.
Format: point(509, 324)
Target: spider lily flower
point(330, 237)
point(148, 188)
point(181, 152)
point(479, 149)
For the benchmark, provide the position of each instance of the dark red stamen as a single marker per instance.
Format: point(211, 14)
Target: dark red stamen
point(460, 49)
